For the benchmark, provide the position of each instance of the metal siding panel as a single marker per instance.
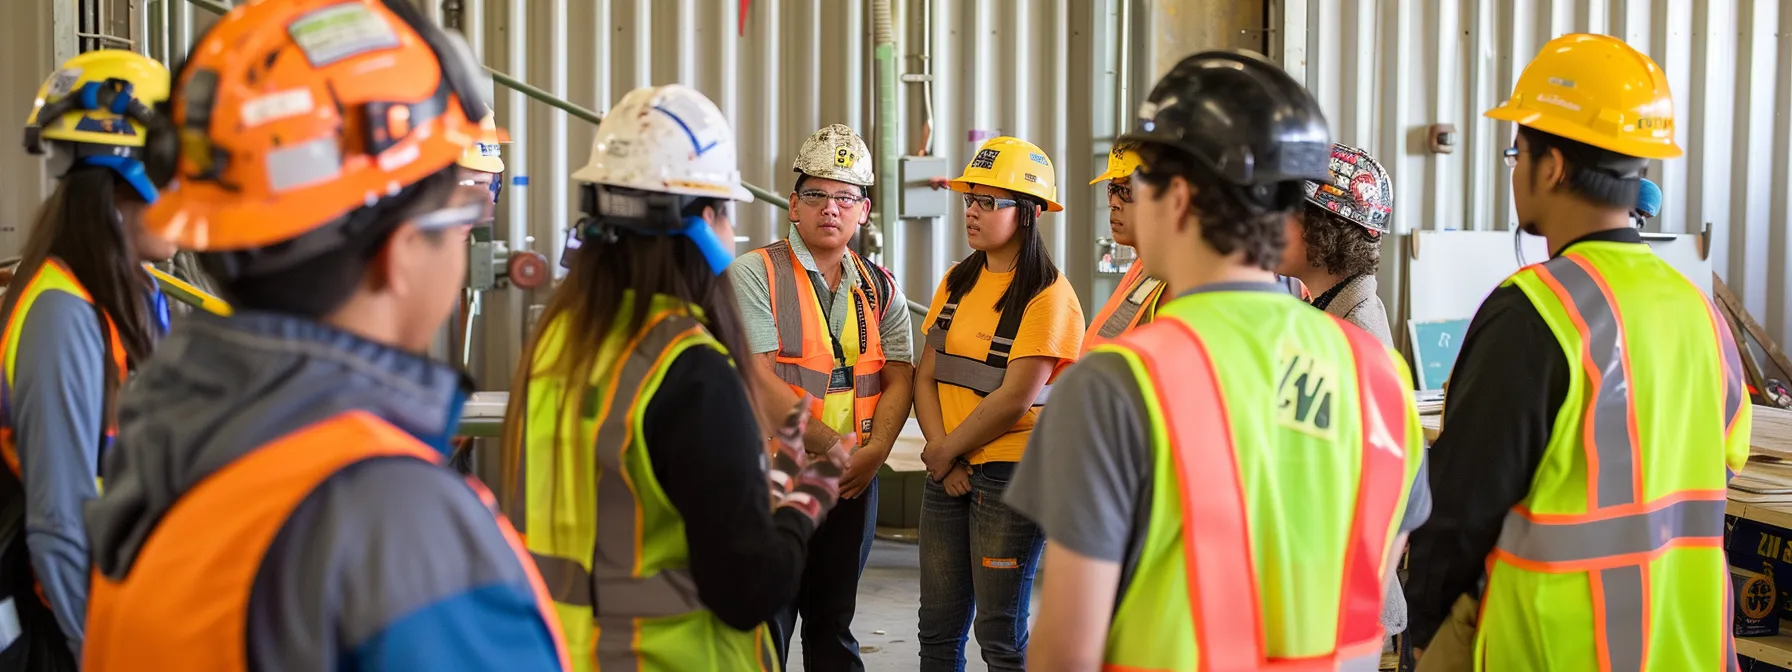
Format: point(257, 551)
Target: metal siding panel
point(30, 55)
point(1384, 70)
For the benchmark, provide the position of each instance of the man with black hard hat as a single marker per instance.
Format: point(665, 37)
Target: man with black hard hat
point(1239, 468)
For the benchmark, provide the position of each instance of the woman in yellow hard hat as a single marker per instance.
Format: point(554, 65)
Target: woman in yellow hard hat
point(1002, 324)
point(80, 314)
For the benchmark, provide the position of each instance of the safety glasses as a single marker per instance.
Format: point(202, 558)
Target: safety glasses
point(1120, 191)
point(816, 198)
point(988, 203)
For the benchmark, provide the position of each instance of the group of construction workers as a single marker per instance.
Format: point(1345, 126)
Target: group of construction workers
point(1219, 476)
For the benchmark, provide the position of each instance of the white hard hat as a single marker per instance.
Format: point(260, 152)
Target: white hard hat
point(668, 139)
point(835, 153)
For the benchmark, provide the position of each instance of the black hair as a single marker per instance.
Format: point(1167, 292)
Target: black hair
point(1229, 222)
point(80, 225)
point(1338, 245)
point(1033, 267)
point(317, 286)
point(802, 177)
point(1601, 176)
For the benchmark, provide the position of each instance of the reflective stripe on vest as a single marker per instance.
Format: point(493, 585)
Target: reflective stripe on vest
point(982, 377)
point(52, 276)
point(609, 544)
point(184, 601)
point(805, 358)
point(1196, 441)
point(1131, 305)
point(1623, 530)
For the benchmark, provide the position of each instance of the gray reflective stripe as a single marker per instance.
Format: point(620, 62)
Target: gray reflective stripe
point(978, 376)
point(813, 382)
point(1623, 535)
point(1119, 320)
point(869, 385)
point(671, 592)
point(1622, 590)
point(785, 302)
point(567, 582)
point(1609, 406)
point(936, 339)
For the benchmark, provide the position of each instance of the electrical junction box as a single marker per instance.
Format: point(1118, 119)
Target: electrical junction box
point(917, 198)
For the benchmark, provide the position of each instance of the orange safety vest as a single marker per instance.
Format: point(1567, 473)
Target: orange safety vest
point(51, 276)
point(1133, 303)
point(185, 602)
point(807, 357)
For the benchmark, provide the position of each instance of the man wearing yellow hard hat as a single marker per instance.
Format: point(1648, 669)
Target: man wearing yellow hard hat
point(1596, 411)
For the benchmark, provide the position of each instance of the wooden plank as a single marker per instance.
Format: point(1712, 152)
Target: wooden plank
point(1772, 649)
point(1754, 328)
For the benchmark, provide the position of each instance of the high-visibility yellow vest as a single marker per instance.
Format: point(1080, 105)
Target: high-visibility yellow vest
point(609, 544)
point(52, 276)
point(1281, 467)
point(1134, 303)
point(847, 381)
point(1614, 561)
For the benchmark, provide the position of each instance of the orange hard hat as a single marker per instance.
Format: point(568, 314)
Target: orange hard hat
point(293, 114)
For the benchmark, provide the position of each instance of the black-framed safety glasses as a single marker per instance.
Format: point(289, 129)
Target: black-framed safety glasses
point(1120, 191)
point(988, 203)
point(817, 198)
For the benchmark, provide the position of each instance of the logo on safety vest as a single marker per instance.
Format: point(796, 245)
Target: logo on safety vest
point(1306, 393)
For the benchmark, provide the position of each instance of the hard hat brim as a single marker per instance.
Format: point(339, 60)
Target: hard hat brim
point(1108, 175)
point(1534, 119)
point(963, 185)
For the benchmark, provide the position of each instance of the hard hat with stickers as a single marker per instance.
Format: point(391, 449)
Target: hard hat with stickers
point(835, 153)
point(97, 109)
point(1359, 191)
point(1013, 164)
point(1123, 159)
point(1598, 90)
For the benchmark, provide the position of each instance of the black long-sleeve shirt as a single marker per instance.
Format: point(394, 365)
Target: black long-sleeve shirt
point(1508, 383)
point(709, 457)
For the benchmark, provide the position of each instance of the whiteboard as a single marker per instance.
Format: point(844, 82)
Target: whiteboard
point(1450, 272)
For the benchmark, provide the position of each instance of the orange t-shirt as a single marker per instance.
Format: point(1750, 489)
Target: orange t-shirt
point(1052, 326)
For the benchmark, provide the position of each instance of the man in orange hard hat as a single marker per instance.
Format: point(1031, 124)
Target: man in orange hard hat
point(279, 500)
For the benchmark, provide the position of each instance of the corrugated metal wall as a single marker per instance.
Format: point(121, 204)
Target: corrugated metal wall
point(1385, 70)
point(1048, 72)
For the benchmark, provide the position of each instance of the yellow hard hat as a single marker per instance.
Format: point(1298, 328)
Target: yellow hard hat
point(1013, 164)
point(1122, 160)
point(1597, 90)
point(89, 100)
point(484, 155)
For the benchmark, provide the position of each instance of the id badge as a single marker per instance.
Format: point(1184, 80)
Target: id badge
point(841, 381)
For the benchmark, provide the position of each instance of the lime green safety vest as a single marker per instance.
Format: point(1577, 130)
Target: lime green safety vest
point(1614, 561)
point(1281, 467)
point(610, 546)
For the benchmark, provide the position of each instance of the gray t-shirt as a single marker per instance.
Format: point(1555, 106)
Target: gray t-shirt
point(1087, 476)
point(754, 296)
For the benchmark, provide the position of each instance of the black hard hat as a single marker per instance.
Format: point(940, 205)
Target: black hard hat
point(1241, 116)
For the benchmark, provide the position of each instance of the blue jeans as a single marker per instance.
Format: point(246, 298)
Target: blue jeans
point(977, 556)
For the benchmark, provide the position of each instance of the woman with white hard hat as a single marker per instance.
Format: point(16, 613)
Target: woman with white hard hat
point(633, 452)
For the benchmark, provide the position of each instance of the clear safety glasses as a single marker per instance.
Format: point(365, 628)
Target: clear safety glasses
point(988, 203)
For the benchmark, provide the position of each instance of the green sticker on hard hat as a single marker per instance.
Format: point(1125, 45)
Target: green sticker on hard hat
point(334, 33)
point(1038, 158)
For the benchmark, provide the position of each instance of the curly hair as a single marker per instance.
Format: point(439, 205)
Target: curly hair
point(1229, 223)
point(1340, 246)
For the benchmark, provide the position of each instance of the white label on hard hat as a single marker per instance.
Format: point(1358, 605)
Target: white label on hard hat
point(334, 33)
point(1557, 101)
point(275, 106)
point(64, 81)
point(702, 130)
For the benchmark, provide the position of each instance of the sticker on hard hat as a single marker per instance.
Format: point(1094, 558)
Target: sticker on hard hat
point(1038, 158)
point(337, 32)
point(108, 124)
point(1557, 101)
point(1030, 177)
point(986, 158)
point(1564, 83)
point(63, 82)
point(843, 157)
point(276, 106)
point(488, 149)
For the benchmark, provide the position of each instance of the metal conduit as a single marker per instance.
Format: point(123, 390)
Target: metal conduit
point(551, 100)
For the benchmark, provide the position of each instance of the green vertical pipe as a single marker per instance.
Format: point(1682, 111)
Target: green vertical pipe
point(884, 60)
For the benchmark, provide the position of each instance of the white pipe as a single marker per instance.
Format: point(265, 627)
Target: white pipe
point(556, 182)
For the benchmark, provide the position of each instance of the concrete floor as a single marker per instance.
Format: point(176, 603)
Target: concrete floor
point(889, 595)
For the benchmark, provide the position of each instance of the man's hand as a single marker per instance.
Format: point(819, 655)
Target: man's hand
point(861, 467)
point(808, 483)
point(958, 482)
point(937, 458)
point(939, 183)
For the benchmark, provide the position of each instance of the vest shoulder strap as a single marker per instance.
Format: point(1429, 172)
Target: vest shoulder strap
point(876, 282)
